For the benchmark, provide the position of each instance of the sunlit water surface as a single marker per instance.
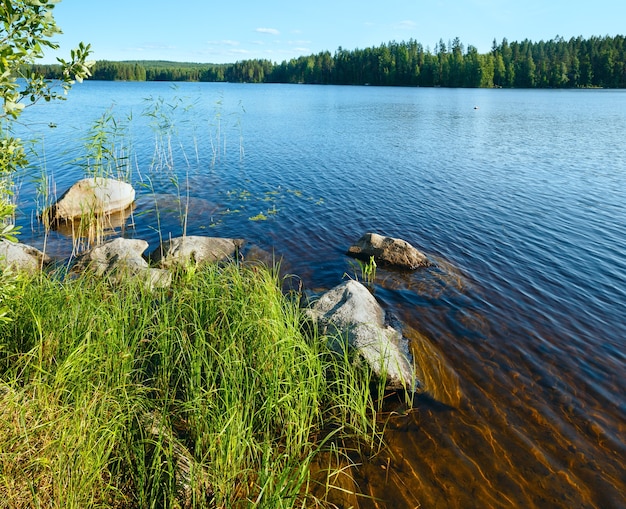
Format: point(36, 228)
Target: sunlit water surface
point(518, 196)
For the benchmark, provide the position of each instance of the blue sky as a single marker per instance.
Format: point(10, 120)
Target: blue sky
point(231, 30)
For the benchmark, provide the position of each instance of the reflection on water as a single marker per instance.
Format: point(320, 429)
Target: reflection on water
point(94, 228)
point(518, 329)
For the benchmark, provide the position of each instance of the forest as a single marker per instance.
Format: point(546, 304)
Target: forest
point(597, 62)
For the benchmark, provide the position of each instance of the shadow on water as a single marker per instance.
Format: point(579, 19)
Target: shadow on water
point(439, 380)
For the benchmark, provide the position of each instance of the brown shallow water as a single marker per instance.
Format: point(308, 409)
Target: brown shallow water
point(497, 428)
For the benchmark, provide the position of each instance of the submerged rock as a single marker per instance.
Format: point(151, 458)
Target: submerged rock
point(350, 311)
point(194, 249)
point(22, 257)
point(121, 258)
point(93, 196)
point(390, 251)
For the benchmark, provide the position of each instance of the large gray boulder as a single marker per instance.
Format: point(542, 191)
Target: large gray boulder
point(120, 258)
point(93, 196)
point(194, 249)
point(351, 312)
point(22, 257)
point(388, 250)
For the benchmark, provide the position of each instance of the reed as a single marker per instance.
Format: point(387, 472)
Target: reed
point(213, 393)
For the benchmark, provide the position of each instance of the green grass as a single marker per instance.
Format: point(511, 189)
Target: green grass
point(213, 393)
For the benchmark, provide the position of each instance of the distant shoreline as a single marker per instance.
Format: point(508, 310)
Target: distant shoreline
point(597, 62)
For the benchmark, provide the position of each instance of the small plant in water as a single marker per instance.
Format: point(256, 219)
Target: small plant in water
point(259, 217)
point(367, 270)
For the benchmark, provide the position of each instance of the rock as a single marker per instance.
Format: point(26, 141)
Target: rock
point(111, 255)
point(197, 249)
point(389, 251)
point(22, 257)
point(120, 258)
point(191, 476)
point(351, 311)
point(94, 195)
point(157, 278)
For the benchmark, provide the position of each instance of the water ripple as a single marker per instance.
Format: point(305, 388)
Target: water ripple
point(521, 205)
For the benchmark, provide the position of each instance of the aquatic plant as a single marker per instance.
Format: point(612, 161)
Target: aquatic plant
point(259, 217)
point(366, 270)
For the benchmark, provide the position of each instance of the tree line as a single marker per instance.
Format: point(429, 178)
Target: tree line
point(557, 63)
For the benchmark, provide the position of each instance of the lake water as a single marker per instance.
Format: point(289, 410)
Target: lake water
point(520, 198)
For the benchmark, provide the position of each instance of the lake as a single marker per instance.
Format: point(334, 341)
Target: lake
point(519, 196)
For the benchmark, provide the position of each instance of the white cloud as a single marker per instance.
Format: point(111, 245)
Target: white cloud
point(270, 31)
point(406, 24)
point(224, 42)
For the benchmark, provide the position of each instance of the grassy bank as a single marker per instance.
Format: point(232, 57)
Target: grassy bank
point(210, 394)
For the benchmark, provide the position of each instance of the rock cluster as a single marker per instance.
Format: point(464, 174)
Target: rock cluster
point(348, 315)
point(120, 258)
